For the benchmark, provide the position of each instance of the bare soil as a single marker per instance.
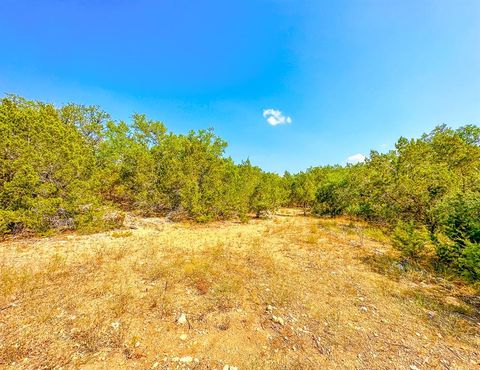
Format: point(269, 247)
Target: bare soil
point(291, 292)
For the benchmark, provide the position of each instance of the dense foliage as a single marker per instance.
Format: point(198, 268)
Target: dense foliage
point(426, 191)
point(71, 167)
point(74, 167)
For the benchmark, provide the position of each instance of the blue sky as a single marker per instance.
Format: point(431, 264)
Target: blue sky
point(347, 76)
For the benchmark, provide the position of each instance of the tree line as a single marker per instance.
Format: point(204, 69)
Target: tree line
point(73, 167)
point(425, 192)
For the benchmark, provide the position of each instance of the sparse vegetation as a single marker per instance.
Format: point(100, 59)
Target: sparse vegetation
point(290, 291)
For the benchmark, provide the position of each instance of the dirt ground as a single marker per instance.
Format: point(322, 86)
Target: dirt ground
point(291, 292)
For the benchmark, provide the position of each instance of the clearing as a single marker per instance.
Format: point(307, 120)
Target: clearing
point(291, 292)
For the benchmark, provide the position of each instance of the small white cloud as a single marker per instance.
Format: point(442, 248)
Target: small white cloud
point(275, 117)
point(356, 158)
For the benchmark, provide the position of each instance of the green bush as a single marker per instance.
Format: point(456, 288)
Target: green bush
point(459, 216)
point(410, 239)
point(9, 221)
point(47, 167)
point(458, 239)
point(469, 261)
point(97, 219)
point(461, 256)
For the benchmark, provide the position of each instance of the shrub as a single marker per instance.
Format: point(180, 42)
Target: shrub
point(458, 241)
point(46, 167)
point(96, 219)
point(9, 222)
point(469, 261)
point(410, 239)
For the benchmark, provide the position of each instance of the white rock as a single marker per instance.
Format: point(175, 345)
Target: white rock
point(115, 325)
point(183, 337)
point(182, 319)
point(228, 367)
point(278, 320)
point(155, 365)
point(413, 367)
point(186, 359)
point(269, 308)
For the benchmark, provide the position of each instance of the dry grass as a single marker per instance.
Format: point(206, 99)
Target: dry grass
point(292, 292)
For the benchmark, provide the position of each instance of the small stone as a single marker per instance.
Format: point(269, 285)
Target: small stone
point(278, 320)
point(413, 367)
point(364, 309)
point(115, 325)
point(228, 367)
point(183, 337)
point(155, 365)
point(137, 344)
point(182, 319)
point(186, 359)
point(269, 308)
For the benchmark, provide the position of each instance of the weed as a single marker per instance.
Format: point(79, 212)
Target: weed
point(121, 234)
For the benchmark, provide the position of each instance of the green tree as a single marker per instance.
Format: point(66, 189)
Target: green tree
point(303, 190)
point(89, 120)
point(46, 168)
point(126, 163)
point(268, 195)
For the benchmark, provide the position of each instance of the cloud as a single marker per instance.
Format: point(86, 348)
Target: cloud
point(275, 117)
point(356, 158)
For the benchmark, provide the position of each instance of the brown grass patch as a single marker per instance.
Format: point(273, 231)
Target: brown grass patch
point(289, 292)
